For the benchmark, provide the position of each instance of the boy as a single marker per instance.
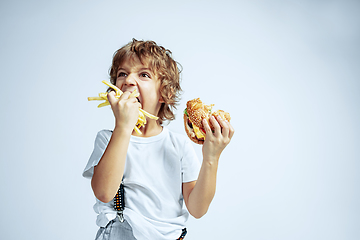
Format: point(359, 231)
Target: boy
point(159, 169)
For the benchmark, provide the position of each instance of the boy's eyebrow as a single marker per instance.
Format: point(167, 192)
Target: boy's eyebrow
point(141, 69)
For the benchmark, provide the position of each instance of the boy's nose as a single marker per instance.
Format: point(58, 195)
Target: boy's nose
point(130, 80)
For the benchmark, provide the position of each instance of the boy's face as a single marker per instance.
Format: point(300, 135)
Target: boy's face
point(131, 75)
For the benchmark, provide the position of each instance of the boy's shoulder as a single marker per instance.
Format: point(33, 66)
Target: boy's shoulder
point(175, 134)
point(178, 138)
point(105, 133)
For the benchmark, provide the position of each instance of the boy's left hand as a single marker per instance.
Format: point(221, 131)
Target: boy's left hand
point(215, 142)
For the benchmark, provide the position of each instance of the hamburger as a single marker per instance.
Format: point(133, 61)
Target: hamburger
point(194, 113)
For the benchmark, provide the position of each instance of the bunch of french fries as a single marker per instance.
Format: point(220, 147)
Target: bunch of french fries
point(142, 113)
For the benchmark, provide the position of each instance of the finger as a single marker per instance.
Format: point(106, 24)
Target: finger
point(216, 126)
point(206, 127)
point(224, 126)
point(134, 101)
point(125, 95)
point(111, 98)
point(231, 131)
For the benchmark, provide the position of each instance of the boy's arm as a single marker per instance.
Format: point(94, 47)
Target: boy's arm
point(106, 178)
point(199, 194)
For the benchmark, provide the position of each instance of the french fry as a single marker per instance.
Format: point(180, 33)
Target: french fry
point(117, 90)
point(95, 98)
point(134, 94)
point(137, 130)
point(148, 114)
point(142, 113)
point(106, 103)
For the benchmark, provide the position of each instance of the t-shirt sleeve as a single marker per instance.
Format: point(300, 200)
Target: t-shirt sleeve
point(190, 164)
point(101, 142)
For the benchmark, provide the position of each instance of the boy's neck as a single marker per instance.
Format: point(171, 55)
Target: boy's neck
point(151, 129)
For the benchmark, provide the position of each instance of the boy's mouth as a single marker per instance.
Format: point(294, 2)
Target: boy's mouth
point(131, 92)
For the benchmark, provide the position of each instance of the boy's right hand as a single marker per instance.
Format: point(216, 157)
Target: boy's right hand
point(125, 109)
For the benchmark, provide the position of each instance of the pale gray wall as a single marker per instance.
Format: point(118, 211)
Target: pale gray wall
point(287, 71)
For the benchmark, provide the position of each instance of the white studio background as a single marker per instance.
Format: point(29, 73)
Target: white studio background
point(287, 71)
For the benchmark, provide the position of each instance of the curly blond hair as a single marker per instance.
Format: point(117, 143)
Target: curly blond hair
point(159, 60)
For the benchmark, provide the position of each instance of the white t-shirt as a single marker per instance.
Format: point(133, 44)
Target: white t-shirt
point(155, 169)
